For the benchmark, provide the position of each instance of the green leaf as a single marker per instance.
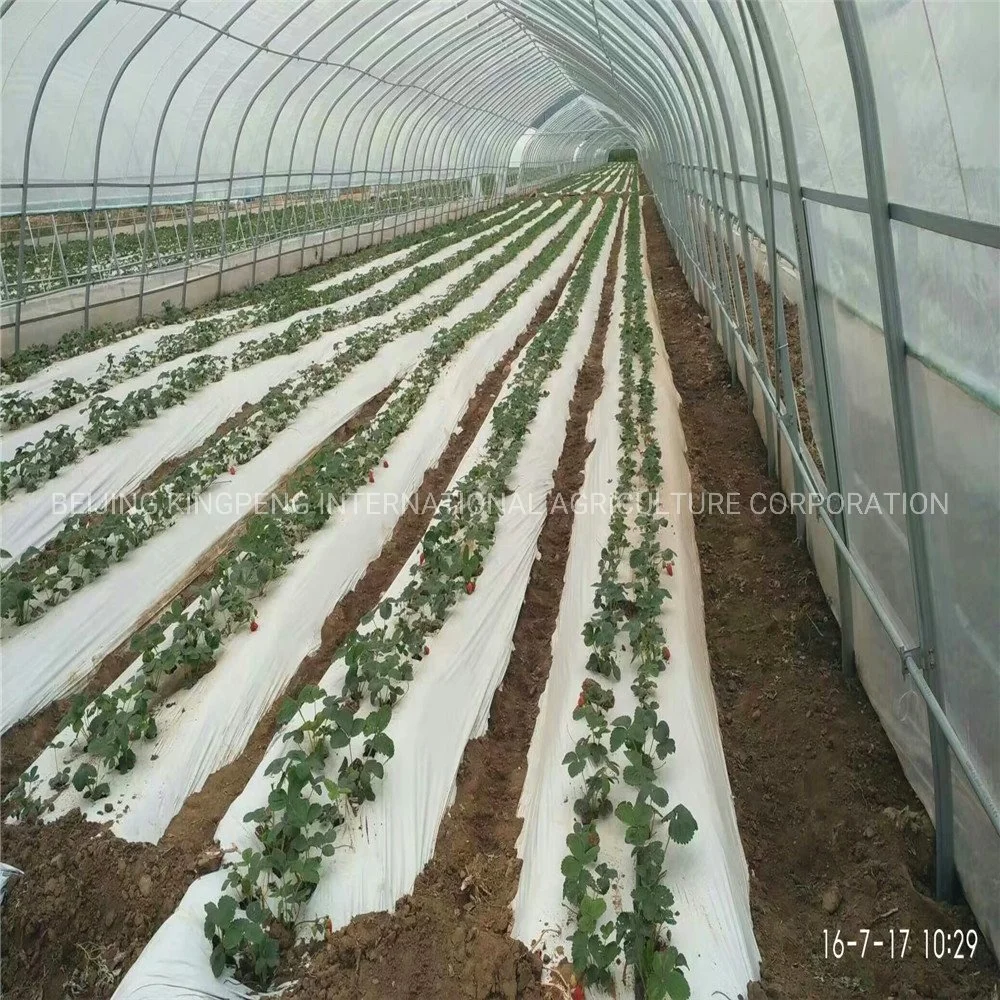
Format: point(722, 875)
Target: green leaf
point(85, 775)
point(681, 824)
point(232, 937)
point(571, 867)
point(226, 909)
point(218, 960)
point(676, 986)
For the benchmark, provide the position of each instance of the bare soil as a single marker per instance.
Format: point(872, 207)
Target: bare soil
point(834, 836)
point(79, 917)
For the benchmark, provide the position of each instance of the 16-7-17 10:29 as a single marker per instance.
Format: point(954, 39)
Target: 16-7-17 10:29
point(901, 942)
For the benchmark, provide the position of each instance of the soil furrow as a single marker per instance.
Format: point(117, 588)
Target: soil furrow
point(833, 833)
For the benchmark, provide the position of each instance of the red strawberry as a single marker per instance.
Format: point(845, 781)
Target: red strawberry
point(385, 464)
point(580, 701)
point(232, 470)
point(371, 477)
point(670, 569)
point(578, 993)
point(470, 586)
point(254, 626)
point(427, 650)
point(666, 652)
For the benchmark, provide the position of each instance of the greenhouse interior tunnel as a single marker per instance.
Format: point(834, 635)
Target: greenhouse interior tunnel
point(266, 264)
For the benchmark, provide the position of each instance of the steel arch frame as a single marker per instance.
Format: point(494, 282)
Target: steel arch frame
point(112, 90)
point(345, 118)
point(39, 93)
point(683, 132)
point(274, 122)
point(205, 49)
point(204, 135)
point(450, 123)
point(552, 141)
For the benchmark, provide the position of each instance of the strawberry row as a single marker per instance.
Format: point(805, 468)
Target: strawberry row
point(304, 331)
point(31, 519)
point(109, 419)
point(89, 545)
point(42, 665)
point(575, 181)
point(297, 827)
point(19, 408)
point(31, 360)
point(202, 727)
point(623, 181)
point(273, 301)
point(190, 640)
point(629, 748)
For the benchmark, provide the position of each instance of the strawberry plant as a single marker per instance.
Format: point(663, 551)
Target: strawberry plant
point(242, 940)
point(586, 880)
point(628, 605)
point(189, 640)
point(382, 653)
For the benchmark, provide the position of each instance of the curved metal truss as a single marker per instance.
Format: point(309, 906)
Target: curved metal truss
point(847, 153)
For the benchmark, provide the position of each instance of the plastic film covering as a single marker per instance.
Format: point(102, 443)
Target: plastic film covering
point(722, 95)
point(846, 152)
point(242, 98)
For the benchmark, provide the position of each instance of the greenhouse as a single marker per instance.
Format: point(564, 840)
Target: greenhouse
point(500, 499)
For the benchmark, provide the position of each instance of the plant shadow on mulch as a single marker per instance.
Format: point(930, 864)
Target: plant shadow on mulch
point(834, 836)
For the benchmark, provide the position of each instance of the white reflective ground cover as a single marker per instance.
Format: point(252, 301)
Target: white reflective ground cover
point(52, 656)
point(708, 876)
point(446, 704)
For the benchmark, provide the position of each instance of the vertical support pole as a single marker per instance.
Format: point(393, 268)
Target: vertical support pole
point(111, 242)
point(144, 265)
point(189, 210)
point(810, 320)
point(58, 248)
point(756, 117)
point(902, 412)
point(67, 42)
